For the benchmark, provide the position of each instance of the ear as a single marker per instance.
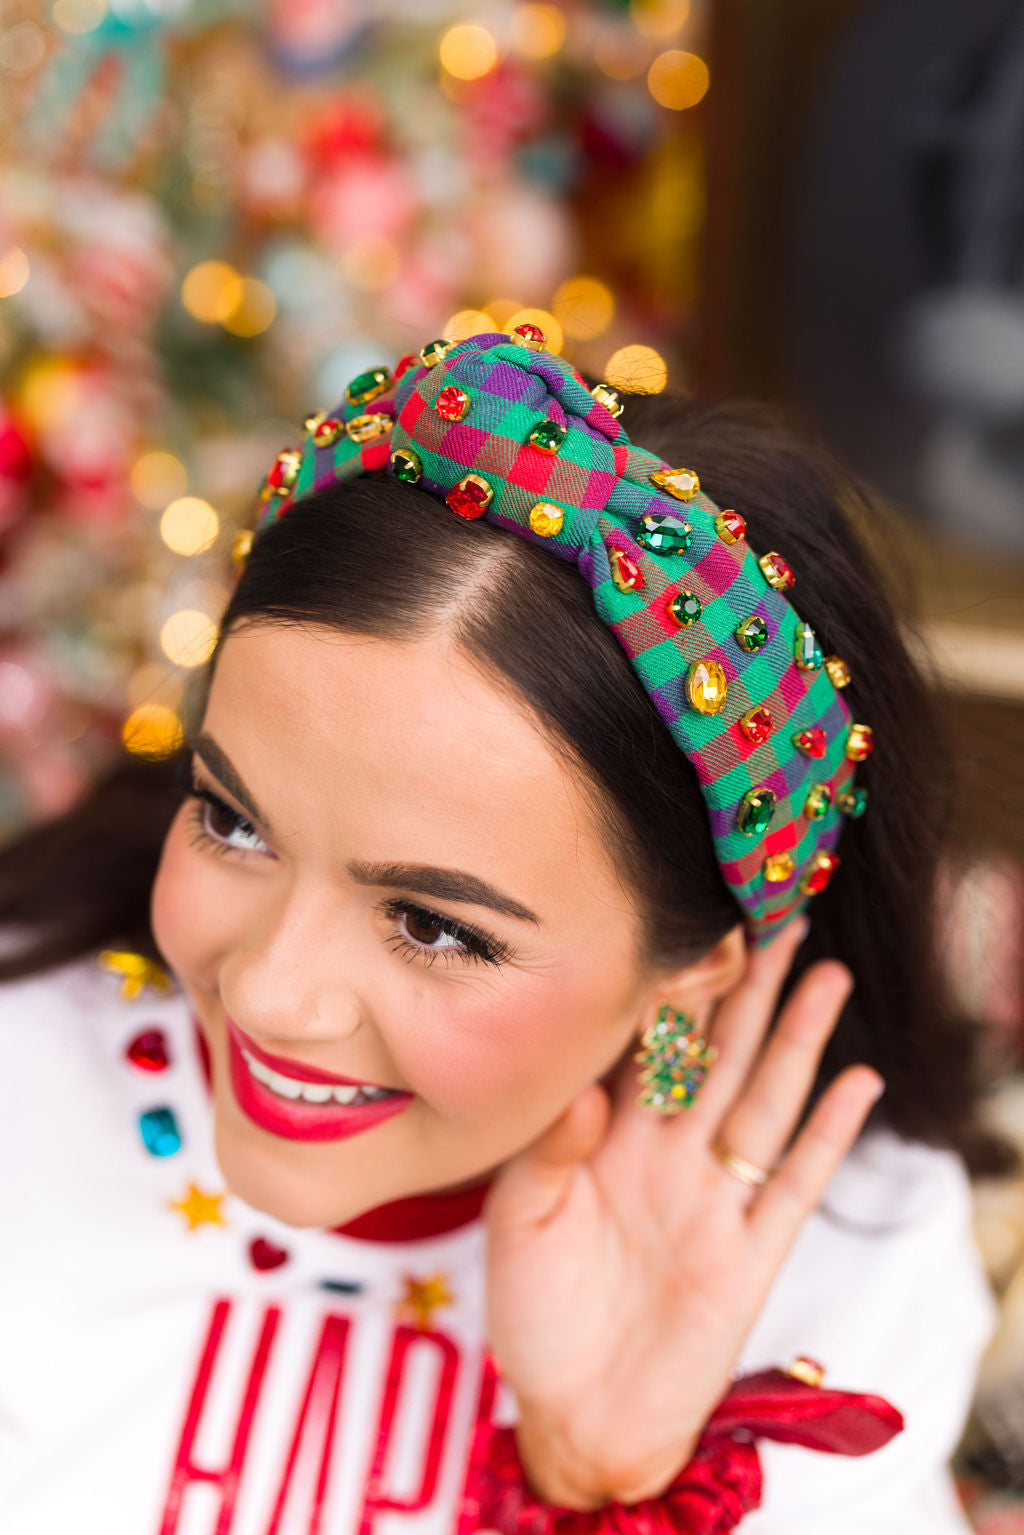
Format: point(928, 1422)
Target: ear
point(696, 987)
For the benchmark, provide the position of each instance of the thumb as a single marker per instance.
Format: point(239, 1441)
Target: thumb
point(535, 1183)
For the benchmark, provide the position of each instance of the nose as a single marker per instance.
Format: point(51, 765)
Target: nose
point(292, 976)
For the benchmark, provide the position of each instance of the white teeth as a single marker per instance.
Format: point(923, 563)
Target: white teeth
point(310, 1092)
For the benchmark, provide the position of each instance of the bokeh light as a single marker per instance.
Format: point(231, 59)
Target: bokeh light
point(152, 730)
point(621, 55)
point(585, 306)
point(188, 638)
point(189, 525)
point(212, 291)
point(49, 393)
point(157, 478)
point(538, 31)
point(78, 16)
point(14, 271)
point(547, 322)
point(659, 18)
point(469, 322)
point(468, 51)
point(153, 683)
point(255, 311)
point(637, 370)
point(371, 263)
point(678, 79)
point(501, 309)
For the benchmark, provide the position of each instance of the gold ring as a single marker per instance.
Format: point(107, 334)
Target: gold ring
point(740, 1168)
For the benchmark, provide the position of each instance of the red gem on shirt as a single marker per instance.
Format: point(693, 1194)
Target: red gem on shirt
point(148, 1051)
point(264, 1255)
point(811, 742)
point(405, 363)
point(452, 403)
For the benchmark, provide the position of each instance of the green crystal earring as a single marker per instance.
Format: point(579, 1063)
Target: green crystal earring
point(676, 1060)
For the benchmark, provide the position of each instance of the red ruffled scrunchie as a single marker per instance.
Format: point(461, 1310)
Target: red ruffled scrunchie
point(713, 1491)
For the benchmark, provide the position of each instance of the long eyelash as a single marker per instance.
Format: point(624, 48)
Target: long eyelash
point(200, 837)
point(477, 946)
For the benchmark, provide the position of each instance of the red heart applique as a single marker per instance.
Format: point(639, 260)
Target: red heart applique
point(148, 1051)
point(265, 1255)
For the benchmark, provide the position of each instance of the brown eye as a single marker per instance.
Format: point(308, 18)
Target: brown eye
point(422, 927)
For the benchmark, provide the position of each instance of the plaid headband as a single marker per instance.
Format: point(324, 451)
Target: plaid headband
point(498, 427)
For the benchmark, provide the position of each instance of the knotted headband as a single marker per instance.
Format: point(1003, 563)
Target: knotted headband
point(498, 427)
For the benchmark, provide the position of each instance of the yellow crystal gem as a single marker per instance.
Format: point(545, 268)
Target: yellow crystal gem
point(683, 484)
point(605, 395)
point(366, 428)
point(808, 1370)
point(777, 867)
point(136, 972)
point(818, 800)
point(860, 742)
point(312, 422)
point(838, 671)
point(706, 687)
point(241, 546)
point(546, 519)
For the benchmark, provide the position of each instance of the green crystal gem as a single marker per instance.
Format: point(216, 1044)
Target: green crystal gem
point(806, 651)
point(367, 386)
point(756, 810)
point(435, 350)
point(818, 800)
point(852, 802)
point(685, 608)
point(663, 533)
point(405, 466)
point(752, 633)
point(549, 436)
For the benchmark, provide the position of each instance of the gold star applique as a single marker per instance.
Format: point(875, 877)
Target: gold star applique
point(424, 1296)
point(136, 972)
point(200, 1209)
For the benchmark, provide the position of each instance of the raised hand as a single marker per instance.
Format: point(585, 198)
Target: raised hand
point(626, 1265)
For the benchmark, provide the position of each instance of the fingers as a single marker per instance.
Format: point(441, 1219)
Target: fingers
point(763, 1117)
point(800, 1183)
point(742, 1020)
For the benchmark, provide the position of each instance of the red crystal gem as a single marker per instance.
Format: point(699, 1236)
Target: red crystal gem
point(148, 1051)
point(468, 500)
point(530, 333)
point(264, 1255)
point(820, 875)
point(811, 742)
point(327, 431)
point(283, 470)
point(733, 523)
point(626, 573)
point(405, 363)
point(757, 725)
point(452, 403)
point(781, 569)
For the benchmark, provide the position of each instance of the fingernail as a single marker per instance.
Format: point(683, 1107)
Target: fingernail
point(803, 927)
point(879, 1090)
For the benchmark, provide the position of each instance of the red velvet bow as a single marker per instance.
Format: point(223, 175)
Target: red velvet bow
point(714, 1490)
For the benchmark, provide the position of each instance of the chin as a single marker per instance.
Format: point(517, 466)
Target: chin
point(255, 1175)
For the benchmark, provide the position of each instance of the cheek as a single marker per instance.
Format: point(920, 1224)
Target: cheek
point(184, 911)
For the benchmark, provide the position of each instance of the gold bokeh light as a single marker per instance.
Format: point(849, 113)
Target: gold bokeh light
point(678, 79)
point(538, 31)
point(637, 370)
point(468, 51)
point(585, 306)
point(189, 525)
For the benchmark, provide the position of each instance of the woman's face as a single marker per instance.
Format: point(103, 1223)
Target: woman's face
point(420, 903)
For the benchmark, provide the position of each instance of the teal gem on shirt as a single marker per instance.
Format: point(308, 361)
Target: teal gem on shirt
point(159, 1130)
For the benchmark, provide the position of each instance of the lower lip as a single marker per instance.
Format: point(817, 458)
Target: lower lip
point(297, 1121)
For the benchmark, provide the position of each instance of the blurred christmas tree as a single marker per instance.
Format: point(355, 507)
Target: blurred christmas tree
point(212, 216)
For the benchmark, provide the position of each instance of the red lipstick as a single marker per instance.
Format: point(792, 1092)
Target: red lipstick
point(292, 1118)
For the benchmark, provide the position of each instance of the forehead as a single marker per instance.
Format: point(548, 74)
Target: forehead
point(405, 750)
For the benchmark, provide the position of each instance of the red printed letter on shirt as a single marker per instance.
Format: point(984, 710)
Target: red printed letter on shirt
point(407, 1343)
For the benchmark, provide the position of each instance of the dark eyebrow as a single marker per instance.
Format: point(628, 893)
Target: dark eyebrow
point(443, 884)
point(425, 879)
point(222, 767)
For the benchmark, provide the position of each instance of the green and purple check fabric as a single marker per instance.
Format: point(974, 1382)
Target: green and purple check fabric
point(602, 484)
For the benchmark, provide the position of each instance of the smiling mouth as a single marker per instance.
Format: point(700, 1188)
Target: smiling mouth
point(293, 1088)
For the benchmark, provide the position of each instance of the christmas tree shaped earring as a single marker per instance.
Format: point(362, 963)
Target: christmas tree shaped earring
point(676, 1061)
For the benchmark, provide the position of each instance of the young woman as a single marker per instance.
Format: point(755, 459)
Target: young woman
point(338, 1199)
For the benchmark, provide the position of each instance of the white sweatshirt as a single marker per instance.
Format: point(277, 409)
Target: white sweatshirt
point(155, 1381)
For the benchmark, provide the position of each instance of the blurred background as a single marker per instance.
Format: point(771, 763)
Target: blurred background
point(214, 213)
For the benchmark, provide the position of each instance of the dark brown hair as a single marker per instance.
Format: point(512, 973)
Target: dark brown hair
point(380, 558)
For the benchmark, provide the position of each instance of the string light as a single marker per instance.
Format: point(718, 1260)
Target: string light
point(255, 312)
point(212, 291)
point(468, 51)
point(469, 322)
point(14, 271)
point(189, 525)
point(157, 478)
point(547, 322)
point(585, 306)
point(538, 31)
point(637, 370)
point(187, 638)
point(152, 730)
point(678, 79)
point(659, 18)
